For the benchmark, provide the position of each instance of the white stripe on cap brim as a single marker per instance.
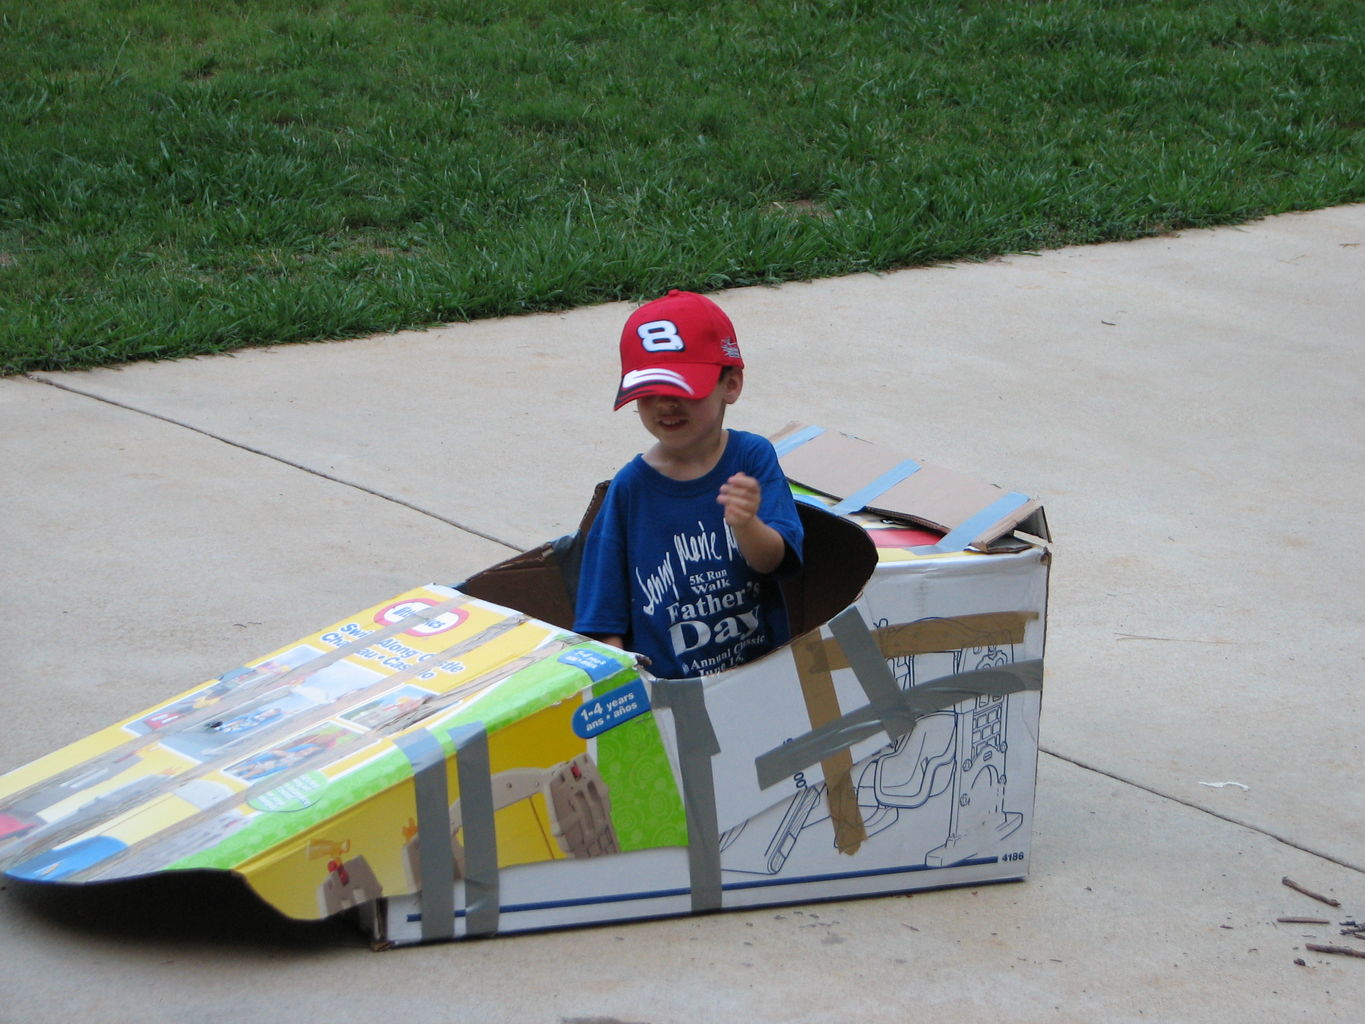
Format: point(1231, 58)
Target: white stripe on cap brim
point(657, 375)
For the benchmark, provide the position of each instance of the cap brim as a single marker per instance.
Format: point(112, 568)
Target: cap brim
point(681, 380)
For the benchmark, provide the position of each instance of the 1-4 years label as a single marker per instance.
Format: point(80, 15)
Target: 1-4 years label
point(598, 714)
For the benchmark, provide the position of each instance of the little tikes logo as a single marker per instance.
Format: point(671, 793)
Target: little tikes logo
point(415, 610)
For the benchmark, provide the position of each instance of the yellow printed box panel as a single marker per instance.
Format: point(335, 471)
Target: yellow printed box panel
point(297, 769)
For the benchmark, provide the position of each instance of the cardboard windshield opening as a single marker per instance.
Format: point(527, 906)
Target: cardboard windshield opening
point(837, 562)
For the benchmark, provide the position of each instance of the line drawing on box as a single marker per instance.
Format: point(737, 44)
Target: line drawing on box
point(950, 766)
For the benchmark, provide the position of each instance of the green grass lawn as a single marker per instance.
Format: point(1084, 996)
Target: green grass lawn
point(180, 178)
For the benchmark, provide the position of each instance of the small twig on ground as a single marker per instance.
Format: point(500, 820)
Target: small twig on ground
point(1336, 950)
point(1174, 639)
point(1302, 920)
point(1309, 892)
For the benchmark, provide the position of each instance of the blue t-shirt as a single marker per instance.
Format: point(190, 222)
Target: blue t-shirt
point(661, 569)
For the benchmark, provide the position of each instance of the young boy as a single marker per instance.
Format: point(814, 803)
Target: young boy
point(681, 563)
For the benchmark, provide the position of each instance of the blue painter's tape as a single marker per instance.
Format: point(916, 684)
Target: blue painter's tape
point(795, 441)
point(964, 533)
point(599, 714)
point(598, 666)
point(864, 496)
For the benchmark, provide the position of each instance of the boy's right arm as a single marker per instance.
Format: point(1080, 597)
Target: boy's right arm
point(761, 545)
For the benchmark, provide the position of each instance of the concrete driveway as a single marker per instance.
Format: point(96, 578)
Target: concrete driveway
point(1190, 410)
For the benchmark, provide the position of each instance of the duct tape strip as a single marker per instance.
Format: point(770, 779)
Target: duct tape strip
point(962, 535)
point(864, 496)
point(481, 885)
point(436, 858)
point(789, 444)
point(815, 746)
point(697, 744)
point(873, 674)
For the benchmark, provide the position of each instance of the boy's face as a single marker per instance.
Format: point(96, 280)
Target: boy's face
point(678, 423)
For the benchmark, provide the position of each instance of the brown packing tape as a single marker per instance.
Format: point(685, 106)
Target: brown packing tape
point(989, 629)
point(810, 653)
point(802, 752)
point(817, 658)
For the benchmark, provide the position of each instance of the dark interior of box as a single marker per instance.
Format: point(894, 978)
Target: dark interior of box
point(838, 560)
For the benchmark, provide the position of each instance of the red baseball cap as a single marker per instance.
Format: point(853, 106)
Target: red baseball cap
point(675, 345)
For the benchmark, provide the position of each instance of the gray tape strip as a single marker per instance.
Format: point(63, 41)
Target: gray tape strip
point(482, 896)
point(697, 744)
point(873, 674)
point(437, 859)
point(799, 754)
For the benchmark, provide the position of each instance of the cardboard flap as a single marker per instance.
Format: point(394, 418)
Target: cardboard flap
point(542, 582)
point(864, 476)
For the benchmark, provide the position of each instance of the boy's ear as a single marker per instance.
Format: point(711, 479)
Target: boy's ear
point(732, 380)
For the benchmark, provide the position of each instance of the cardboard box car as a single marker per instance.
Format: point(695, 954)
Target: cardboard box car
point(456, 762)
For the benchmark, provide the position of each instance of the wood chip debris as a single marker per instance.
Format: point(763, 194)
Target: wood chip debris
point(1335, 950)
point(1350, 929)
point(1309, 892)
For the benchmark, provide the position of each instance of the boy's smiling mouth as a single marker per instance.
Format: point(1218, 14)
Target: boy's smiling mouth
point(688, 432)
